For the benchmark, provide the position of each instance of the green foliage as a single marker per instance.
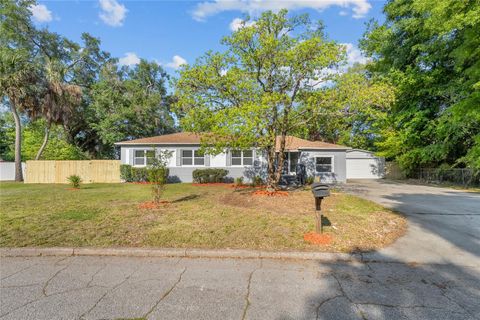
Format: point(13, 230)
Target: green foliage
point(209, 175)
point(114, 119)
point(429, 51)
point(75, 181)
point(249, 94)
point(158, 173)
point(33, 133)
point(132, 174)
point(239, 181)
point(309, 180)
point(126, 172)
point(257, 181)
point(351, 111)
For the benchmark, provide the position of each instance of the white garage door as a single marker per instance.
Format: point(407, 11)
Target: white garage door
point(364, 169)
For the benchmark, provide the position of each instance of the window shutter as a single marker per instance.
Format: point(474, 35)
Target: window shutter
point(229, 158)
point(131, 153)
point(207, 160)
point(178, 153)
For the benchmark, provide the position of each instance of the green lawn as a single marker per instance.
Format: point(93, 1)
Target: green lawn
point(198, 216)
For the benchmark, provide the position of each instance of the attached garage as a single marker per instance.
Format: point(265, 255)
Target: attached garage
point(362, 164)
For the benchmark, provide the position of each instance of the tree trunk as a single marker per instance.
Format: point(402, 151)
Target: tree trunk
point(44, 144)
point(18, 144)
point(281, 159)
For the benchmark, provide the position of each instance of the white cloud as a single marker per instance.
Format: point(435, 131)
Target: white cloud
point(40, 13)
point(237, 23)
point(130, 59)
point(354, 55)
point(176, 62)
point(113, 13)
point(253, 7)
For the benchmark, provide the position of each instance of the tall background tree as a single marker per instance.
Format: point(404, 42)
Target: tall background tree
point(48, 80)
point(430, 51)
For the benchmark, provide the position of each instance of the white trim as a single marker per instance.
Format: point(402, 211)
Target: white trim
point(145, 162)
point(324, 156)
point(192, 157)
point(241, 158)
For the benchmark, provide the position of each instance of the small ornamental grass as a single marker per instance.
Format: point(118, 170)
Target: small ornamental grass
point(75, 181)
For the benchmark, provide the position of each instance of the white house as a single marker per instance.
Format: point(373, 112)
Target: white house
point(326, 160)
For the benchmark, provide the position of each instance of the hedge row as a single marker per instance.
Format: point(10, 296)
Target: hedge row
point(132, 174)
point(209, 175)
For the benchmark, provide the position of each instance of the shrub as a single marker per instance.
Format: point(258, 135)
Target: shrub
point(239, 181)
point(75, 181)
point(309, 179)
point(132, 174)
point(158, 174)
point(257, 181)
point(209, 175)
point(126, 172)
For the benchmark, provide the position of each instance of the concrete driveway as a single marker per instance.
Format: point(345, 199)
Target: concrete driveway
point(444, 224)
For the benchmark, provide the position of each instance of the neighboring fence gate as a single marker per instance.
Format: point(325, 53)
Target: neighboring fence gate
point(57, 171)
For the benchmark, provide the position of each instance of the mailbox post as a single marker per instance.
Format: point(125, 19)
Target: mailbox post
point(319, 191)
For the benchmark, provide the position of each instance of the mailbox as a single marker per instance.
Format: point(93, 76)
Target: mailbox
point(319, 191)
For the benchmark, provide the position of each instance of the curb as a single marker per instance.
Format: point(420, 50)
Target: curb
point(179, 253)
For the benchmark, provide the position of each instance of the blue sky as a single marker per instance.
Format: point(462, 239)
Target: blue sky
point(173, 32)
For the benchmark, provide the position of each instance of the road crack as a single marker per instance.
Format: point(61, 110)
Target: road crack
point(106, 292)
point(247, 296)
point(165, 294)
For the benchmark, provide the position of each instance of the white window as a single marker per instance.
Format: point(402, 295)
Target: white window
point(143, 157)
point(242, 158)
point(193, 157)
point(324, 164)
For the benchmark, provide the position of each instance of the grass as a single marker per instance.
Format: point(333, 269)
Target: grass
point(103, 215)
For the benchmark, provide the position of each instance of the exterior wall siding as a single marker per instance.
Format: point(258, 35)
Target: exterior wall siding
point(339, 165)
point(184, 173)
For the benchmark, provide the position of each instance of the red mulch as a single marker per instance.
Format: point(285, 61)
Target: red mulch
point(270, 193)
point(152, 205)
point(317, 238)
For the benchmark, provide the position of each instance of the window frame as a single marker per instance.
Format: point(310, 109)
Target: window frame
point(332, 166)
point(242, 157)
point(145, 158)
point(193, 157)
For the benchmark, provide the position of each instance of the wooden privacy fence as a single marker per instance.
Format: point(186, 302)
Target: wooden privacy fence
point(57, 171)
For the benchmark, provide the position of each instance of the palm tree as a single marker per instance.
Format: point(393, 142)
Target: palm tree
point(18, 85)
point(59, 100)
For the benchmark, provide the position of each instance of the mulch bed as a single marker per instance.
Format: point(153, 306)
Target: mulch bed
point(317, 238)
point(152, 205)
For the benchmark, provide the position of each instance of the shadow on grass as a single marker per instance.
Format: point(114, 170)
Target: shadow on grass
point(186, 198)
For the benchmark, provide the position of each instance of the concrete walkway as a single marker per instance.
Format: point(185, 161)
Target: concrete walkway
point(444, 224)
point(86, 287)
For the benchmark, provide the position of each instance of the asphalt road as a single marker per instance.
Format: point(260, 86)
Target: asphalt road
point(163, 288)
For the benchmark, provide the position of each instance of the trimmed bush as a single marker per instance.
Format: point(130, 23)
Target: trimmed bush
point(132, 174)
point(126, 172)
point(75, 181)
point(209, 175)
point(257, 181)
